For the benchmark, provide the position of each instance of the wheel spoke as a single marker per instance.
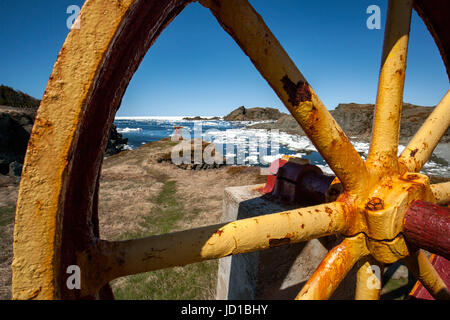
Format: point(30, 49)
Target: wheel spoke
point(333, 269)
point(441, 192)
point(116, 259)
point(368, 282)
point(420, 148)
point(242, 22)
point(424, 271)
point(386, 127)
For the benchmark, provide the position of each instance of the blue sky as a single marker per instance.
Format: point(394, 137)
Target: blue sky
point(328, 40)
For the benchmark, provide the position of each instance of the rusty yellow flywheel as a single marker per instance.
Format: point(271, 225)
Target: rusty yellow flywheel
point(56, 222)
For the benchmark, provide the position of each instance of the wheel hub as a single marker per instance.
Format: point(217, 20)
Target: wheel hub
point(381, 217)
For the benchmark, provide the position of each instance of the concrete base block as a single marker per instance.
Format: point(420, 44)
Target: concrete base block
point(276, 273)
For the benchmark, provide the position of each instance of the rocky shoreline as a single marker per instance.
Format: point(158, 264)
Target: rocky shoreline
point(355, 119)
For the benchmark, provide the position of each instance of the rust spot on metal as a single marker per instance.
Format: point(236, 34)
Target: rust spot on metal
point(38, 204)
point(303, 226)
point(297, 93)
point(279, 242)
point(328, 210)
point(375, 204)
point(43, 123)
point(219, 232)
point(413, 153)
point(399, 72)
point(290, 235)
point(412, 177)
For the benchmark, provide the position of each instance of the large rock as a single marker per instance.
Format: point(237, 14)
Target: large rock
point(15, 128)
point(116, 142)
point(253, 114)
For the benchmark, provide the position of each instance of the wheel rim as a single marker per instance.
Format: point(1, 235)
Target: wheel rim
point(57, 218)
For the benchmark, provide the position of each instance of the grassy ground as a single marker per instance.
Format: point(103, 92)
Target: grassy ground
point(6, 215)
point(196, 281)
point(397, 289)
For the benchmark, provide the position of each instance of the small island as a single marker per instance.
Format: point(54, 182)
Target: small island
point(198, 118)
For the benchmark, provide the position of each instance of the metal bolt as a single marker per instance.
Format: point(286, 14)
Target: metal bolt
point(375, 204)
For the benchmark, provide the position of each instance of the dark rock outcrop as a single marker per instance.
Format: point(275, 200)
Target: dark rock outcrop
point(116, 142)
point(253, 114)
point(15, 130)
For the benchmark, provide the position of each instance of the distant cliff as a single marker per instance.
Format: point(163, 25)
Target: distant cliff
point(18, 99)
point(356, 120)
point(253, 114)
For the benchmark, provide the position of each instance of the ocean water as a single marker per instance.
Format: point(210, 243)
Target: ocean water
point(243, 146)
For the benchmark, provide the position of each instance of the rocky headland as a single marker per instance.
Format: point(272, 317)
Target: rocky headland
point(253, 114)
point(356, 120)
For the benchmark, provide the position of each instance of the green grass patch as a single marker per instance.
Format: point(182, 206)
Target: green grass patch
point(6, 215)
point(168, 211)
point(397, 289)
point(195, 281)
